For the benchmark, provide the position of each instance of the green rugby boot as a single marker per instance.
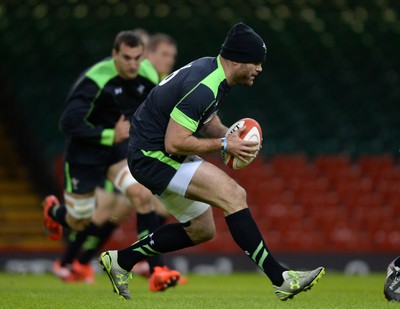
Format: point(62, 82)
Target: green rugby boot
point(297, 281)
point(119, 277)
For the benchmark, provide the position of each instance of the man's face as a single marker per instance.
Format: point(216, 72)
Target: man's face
point(127, 60)
point(246, 73)
point(163, 58)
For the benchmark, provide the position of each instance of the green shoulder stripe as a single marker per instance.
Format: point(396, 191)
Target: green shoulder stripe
point(102, 72)
point(147, 70)
point(214, 79)
point(211, 81)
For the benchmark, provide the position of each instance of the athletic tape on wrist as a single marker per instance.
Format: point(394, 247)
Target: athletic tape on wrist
point(224, 144)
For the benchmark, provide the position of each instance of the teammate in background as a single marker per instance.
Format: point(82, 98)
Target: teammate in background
point(160, 57)
point(391, 288)
point(81, 247)
point(162, 155)
point(96, 128)
point(144, 36)
point(159, 60)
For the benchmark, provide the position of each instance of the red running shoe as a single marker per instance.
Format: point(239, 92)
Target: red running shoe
point(65, 273)
point(162, 278)
point(83, 272)
point(53, 227)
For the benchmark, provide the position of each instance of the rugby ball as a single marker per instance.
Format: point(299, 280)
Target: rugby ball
point(252, 132)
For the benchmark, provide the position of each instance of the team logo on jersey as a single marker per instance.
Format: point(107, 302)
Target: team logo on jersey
point(118, 91)
point(140, 89)
point(75, 183)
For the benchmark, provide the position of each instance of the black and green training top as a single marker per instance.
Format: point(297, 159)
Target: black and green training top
point(95, 103)
point(191, 96)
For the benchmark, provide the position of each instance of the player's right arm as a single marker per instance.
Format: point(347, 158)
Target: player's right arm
point(75, 117)
point(187, 116)
point(181, 141)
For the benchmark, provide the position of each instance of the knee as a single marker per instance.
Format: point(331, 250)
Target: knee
point(207, 233)
point(239, 194)
point(100, 216)
point(140, 198)
point(77, 225)
point(235, 200)
point(121, 210)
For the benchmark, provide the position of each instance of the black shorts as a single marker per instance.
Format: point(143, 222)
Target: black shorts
point(82, 176)
point(151, 172)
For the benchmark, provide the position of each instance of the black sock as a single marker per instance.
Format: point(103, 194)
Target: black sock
point(66, 257)
point(95, 240)
point(58, 213)
point(170, 237)
point(247, 235)
point(74, 244)
point(147, 223)
point(161, 220)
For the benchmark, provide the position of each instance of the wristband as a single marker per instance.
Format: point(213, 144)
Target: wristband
point(224, 144)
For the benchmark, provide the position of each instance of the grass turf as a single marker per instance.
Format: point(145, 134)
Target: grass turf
point(239, 290)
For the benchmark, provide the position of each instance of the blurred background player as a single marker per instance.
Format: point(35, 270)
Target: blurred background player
point(81, 247)
point(160, 55)
point(159, 60)
point(96, 149)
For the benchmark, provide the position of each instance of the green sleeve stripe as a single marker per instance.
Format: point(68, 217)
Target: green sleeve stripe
point(102, 72)
point(184, 120)
point(148, 71)
point(107, 137)
point(68, 183)
point(160, 156)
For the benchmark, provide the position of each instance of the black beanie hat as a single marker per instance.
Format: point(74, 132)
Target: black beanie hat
point(243, 45)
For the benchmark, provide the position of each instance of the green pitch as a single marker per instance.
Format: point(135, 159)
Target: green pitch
point(219, 292)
